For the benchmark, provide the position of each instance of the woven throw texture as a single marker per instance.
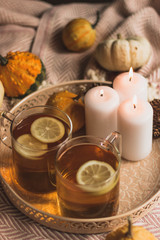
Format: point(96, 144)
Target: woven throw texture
point(36, 26)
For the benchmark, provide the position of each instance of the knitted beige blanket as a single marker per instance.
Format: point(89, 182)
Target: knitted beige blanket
point(36, 26)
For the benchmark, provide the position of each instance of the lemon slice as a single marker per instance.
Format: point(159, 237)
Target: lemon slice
point(47, 129)
point(96, 177)
point(31, 146)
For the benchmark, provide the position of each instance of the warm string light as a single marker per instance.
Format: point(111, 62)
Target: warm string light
point(130, 73)
point(135, 101)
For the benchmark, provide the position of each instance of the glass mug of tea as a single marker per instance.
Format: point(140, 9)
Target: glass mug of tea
point(36, 135)
point(87, 176)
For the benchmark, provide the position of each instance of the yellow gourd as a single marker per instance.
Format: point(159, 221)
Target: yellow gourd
point(121, 54)
point(79, 35)
point(129, 232)
point(21, 73)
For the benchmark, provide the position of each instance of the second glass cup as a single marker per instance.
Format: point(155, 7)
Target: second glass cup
point(87, 176)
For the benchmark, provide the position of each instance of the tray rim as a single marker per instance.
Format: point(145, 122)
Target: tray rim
point(143, 209)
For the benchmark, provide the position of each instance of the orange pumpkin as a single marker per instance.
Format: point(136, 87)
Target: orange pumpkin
point(64, 100)
point(130, 232)
point(20, 73)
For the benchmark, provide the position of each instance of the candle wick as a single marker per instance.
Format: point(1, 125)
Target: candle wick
point(134, 105)
point(101, 93)
point(130, 78)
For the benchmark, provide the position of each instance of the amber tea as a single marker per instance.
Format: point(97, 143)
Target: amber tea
point(34, 149)
point(81, 195)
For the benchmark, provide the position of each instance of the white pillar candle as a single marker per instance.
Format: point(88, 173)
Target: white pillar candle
point(129, 84)
point(135, 123)
point(101, 105)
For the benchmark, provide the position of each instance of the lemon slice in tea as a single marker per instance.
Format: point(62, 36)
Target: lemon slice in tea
point(47, 129)
point(31, 146)
point(96, 177)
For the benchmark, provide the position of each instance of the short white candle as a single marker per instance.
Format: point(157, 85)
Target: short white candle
point(135, 123)
point(129, 84)
point(101, 105)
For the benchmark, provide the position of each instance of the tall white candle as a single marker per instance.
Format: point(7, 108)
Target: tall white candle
point(135, 123)
point(101, 105)
point(129, 84)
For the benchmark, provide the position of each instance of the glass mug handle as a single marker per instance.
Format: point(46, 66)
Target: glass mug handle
point(115, 138)
point(5, 127)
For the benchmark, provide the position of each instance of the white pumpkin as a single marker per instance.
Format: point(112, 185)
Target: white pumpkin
point(1, 93)
point(121, 54)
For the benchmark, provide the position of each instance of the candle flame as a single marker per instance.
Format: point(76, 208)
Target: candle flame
point(130, 73)
point(101, 92)
point(134, 101)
